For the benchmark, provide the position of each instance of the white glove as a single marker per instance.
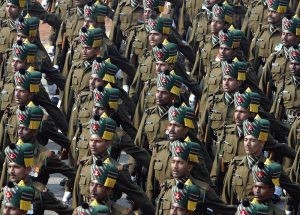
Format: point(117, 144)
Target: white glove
point(192, 101)
point(67, 196)
point(126, 88)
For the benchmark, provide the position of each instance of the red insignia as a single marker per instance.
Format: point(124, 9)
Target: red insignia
point(177, 195)
point(12, 156)
point(261, 174)
point(164, 80)
point(88, 11)
point(21, 118)
point(96, 172)
point(295, 53)
point(218, 10)
point(250, 127)
point(159, 54)
point(178, 149)
point(95, 126)
point(174, 113)
point(8, 195)
point(224, 38)
point(97, 66)
point(98, 96)
point(244, 212)
point(240, 99)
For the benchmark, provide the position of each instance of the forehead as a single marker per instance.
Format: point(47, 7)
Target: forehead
point(162, 90)
point(241, 109)
point(175, 123)
point(250, 137)
point(95, 137)
point(178, 159)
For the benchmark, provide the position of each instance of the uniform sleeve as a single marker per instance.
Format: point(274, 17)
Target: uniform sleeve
point(126, 185)
point(140, 133)
point(265, 76)
point(227, 188)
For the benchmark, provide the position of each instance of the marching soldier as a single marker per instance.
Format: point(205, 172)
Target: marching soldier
point(266, 178)
point(277, 63)
point(102, 132)
point(239, 179)
point(294, 138)
point(102, 185)
point(222, 15)
point(267, 37)
point(286, 103)
point(20, 157)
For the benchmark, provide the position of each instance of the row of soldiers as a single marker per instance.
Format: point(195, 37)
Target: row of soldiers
point(208, 113)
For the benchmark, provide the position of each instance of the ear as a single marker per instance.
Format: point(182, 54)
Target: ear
point(109, 191)
point(28, 170)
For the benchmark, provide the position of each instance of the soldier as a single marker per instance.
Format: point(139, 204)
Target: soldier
point(222, 15)
point(19, 160)
point(104, 177)
point(251, 208)
point(231, 47)
point(286, 103)
point(79, 74)
point(229, 143)
point(182, 163)
point(267, 37)
point(137, 41)
point(92, 209)
point(277, 63)
point(26, 88)
point(239, 179)
point(102, 132)
point(17, 199)
point(23, 57)
point(266, 178)
point(184, 199)
point(219, 108)
point(128, 14)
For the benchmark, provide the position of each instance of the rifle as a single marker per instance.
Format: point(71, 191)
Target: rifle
point(256, 63)
point(209, 133)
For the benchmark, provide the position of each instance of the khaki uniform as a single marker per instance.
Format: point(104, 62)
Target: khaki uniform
point(295, 136)
point(65, 50)
point(45, 163)
point(229, 145)
point(239, 181)
point(211, 200)
point(7, 36)
point(221, 114)
point(124, 184)
point(144, 73)
point(256, 16)
point(276, 66)
point(77, 82)
point(136, 45)
point(206, 54)
point(263, 44)
point(286, 105)
point(124, 19)
point(200, 28)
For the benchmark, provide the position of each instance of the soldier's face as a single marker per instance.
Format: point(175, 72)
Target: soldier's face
point(89, 52)
point(289, 39)
point(274, 17)
point(6, 210)
point(176, 130)
point(148, 13)
point(240, 115)
point(26, 134)
point(225, 52)
point(12, 10)
point(216, 26)
point(252, 145)
point(230, 84)
point(89, 22)
point(178, 211)
point(95, 82)
point(17, 172)
point(180, 167)
point(162, 67)
point(99, 110)
point(262, 191)
point(155, 38)
point(17, 64)
point(97, 145)
point(22, 97)
point(99, 192)
point(294, 68)
point(211, 3)
point(163, 97)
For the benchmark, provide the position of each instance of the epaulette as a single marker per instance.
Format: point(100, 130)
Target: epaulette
point(237, 160)
point(201, 13)
point(203, 185)
point(150, 110)
point(278, 47)
point(39, 186)
point(167, 184)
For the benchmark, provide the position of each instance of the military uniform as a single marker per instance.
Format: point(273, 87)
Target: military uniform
point(255, 17)
point(128, 14)
point(124, 184)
